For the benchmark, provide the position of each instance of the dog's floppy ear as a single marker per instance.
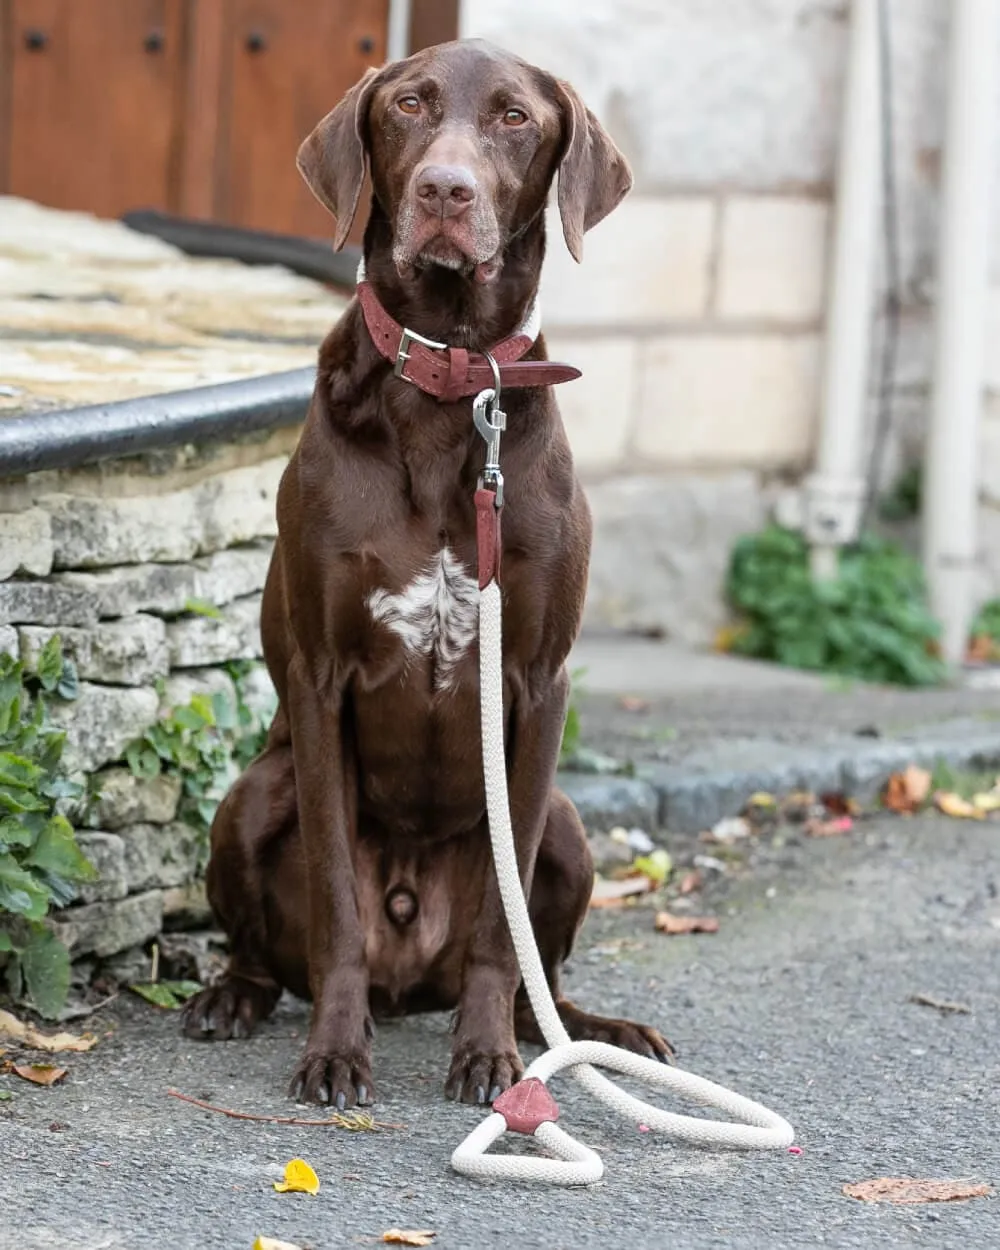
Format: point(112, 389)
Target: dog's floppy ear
point(333, 159)
point(594, 177)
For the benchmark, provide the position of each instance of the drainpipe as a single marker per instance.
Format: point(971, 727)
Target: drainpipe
point(834, 494)
point(951, 480)
point(398, 38)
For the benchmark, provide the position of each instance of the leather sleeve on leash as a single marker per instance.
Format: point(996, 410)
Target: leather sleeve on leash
point(488, 540)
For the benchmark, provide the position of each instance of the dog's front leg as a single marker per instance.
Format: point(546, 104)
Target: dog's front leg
point(336, 1064)
point(485, 1061)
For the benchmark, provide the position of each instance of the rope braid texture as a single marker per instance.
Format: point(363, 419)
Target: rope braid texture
point(576, 1164)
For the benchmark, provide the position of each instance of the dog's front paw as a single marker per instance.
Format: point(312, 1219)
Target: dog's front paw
point(479, 1074)
point(232, 1008)
point(329, 1074)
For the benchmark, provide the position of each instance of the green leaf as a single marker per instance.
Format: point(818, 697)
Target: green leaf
point(166, 994)
point(17, 831)
point(142, 760)
point(6, 943)
point(10, 694)
point(202, 607)
point(46, 966)
point(5, 1095)
point(17, 800)
point(56, 851)
point(68, 687)
point(192, 717)
point(16, 771)
point(20, 893)
point(49, 668)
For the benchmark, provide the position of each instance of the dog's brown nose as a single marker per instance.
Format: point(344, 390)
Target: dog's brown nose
point(445, 190)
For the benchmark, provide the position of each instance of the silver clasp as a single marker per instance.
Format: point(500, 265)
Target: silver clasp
point(402, 356)
point(490, 420)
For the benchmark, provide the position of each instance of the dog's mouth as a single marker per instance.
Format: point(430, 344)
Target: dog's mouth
point(459, 247)
point(449, 255)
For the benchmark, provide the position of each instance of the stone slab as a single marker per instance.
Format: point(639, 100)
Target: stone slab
point(129, 652)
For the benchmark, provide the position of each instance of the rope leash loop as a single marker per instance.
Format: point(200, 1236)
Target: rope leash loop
point(757, 1128)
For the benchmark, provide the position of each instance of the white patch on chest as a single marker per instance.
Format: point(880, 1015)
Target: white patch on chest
point(436, 615)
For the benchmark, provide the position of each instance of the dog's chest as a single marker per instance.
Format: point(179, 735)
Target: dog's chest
point(434, 616)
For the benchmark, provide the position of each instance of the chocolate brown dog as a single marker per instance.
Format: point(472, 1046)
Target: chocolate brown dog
point(351, 862)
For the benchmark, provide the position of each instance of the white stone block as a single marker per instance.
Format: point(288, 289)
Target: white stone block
point(772, 260)
point(25, 543)
point(648, 262)
point(221, 511)
point(129, 652)
point(101, 722)
point(661, 550)
point(598, 408)
point(728, 400)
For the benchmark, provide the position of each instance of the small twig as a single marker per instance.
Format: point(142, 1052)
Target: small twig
point(357, 1120)
point(154, 972)
point(942, 1004)
point(78, 1013)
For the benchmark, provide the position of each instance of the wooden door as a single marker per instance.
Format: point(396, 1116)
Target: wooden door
point(94, 104)
point(285, 66)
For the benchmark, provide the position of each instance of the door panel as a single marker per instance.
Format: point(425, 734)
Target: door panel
point(95, 98)
point(286, 65)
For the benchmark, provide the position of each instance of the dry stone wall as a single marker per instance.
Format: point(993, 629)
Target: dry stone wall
point(150, 571)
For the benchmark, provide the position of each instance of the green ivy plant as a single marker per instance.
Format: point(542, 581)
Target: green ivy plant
point(40, 861)
point(871, 623)
point(206, 741)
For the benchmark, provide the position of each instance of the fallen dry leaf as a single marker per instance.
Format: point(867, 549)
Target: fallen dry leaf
point(633, 703)
point(691, 881)
point(667, 922)
point(954, 805)
point(838, 804)
point(614, 893)
point(271, 1243)
point(30, 1037)
point(905, 1189)
point(409, 1236)
point(906, 791)
point(39, 1073)
point(299, 1179)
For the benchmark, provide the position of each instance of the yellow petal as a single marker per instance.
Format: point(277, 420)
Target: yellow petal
point(989, 801)
point(954, 805)
point(299, 1179)
point(271, 1243)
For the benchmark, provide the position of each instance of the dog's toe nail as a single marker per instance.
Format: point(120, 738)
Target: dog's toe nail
point(362, 1093)
point(494, 1094)
point(341, 1101)
point(323, 1093)
point(480, 1095)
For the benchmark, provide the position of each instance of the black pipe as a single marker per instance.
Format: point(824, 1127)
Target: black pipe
point(68, 438)
point(308, 257)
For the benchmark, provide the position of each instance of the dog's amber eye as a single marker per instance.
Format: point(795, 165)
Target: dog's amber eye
point(408, 104)
point(515, 117)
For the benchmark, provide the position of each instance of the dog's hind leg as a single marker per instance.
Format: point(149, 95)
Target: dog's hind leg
point(252, 835)
point(560, 896)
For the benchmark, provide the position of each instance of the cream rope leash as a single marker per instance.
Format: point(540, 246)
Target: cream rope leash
point(528, 1107)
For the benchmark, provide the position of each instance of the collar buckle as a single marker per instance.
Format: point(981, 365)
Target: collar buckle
point(409, 337)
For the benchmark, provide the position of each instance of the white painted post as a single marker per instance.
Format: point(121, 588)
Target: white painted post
point(834, 493)
point(951, 468)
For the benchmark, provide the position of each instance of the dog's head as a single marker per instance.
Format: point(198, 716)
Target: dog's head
point(463, 142)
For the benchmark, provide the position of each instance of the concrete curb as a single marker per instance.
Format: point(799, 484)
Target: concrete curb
point(715, 782)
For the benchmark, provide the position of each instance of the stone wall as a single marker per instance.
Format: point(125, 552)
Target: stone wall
point(122, 561)
point(697, 314)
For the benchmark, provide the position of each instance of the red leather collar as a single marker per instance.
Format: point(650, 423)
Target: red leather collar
point(450, 373)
